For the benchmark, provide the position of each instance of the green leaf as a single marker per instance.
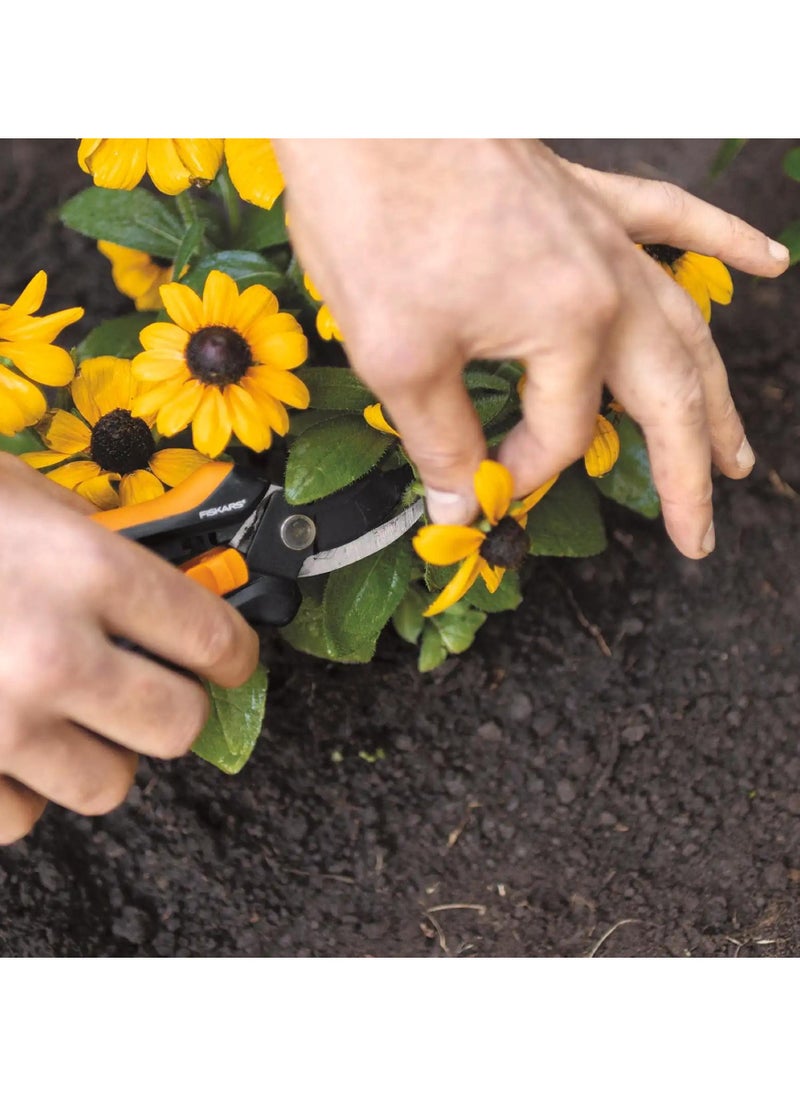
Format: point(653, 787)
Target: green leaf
point(334, 389)
point(262, 228)
point(790, 237)
point(567, 521)
point(360, 599)
point(308, 633)
point(507, 595)
point(132, 218)
point(791, 164)
point(726, 154)
point(630, 481)
point(432, 651)
point(192, 238)
point(236, 719)
point(458, 626)
point(245, 267)
point(118, 338)
point(408, 619)
point(331, 455)
point(26, 441)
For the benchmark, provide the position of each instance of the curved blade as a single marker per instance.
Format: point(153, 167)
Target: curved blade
point(365, 545)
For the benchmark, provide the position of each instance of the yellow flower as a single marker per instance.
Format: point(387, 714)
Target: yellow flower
point(488, 549)
point(254, 170)
point(173, 163)
point(377, 420)
point(116, 447)
point(603, 453)
point(25, 342)
point(704, 278)
point(137, 274)
point(224, 365)
point(326, 324)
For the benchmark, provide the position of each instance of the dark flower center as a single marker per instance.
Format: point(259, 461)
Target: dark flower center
point(218, 355)
point(156, 260)
point(663, 253)
point(122, 443)
point(506, 545)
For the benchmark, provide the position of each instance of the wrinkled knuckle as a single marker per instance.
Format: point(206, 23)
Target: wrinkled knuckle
point(672, 202)
point(215, 641)
point(586, 291)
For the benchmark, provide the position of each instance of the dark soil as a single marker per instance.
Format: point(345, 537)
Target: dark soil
point(537, 796)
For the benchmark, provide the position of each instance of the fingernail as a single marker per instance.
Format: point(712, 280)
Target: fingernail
point(778, 251)
point(448, 507)
point(745, 457)
point(709, 540)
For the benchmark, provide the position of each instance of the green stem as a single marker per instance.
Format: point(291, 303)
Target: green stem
point(186, 208)
point(231, 202)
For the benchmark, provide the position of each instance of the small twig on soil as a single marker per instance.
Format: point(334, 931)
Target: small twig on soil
point(456, 906)
point(781, 486)
point(278, 867)
point(456, 833)
point(583, 620)
point(439, 932)
point(605, 936)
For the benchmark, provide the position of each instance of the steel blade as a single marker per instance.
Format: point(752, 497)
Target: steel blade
point(366, 545)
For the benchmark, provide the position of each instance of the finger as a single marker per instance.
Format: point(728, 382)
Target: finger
point(662, 213)
point(20, 810)
point(560, 402)
point(74, 768)
point(141, 598)
point(730, 450)
point(13, 466)
point(135, 702)
point(656, 380)
point(441, 433)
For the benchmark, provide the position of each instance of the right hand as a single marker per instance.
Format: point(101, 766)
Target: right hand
point(75, 708)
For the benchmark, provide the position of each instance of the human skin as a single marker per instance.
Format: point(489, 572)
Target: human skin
point(430, 253)
point(76, 708)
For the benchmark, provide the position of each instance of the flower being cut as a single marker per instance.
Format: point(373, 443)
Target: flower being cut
point(26, 355)
point(173, 163)
point(327, 326)
point(254, 170)
point(136, 274)
point(703, 277)
point(488, 549)
point(102, 443)
point(224, 365)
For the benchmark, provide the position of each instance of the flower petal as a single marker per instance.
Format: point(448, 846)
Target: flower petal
point(220, 298)
point(211, 426)
point(165, 337)
point(494, 488)
point(31, 297)
point(376, 419)
point(246, 419)
point(74, 473)
point(173, 466)
point(102, 385)
point(202, 156)
point(21, 403)
point(272, 410)
point(492, 576)
point(528, 503)
point(183, 306)
point(327, 326)
point(281, 385)
point(66, 434)
point(115, 162)
point(150, 402)
point(165, 167)
point(43, 458)
point(98, 490)
point(254, 170)
point(38, 328)
point(713, 273)
point(286, 350)
point(256, 301)
point(139, 486)
point(177, 412)
point(457, 586)
point(602, 454)
point(446, 544)
point(41, 362)
point(159, 365)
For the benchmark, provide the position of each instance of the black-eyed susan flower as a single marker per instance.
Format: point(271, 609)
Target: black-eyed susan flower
point(327, 326)
point(25, 346)
point(488, 549)
point(103, 451)
point(378, 421)
point(703, 277)
point(254, 170)
point(173, 163)
point(136, 274)
point(603, 453)
point(224, 365)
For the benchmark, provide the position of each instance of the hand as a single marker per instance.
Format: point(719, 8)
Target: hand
point(74, 707)
point(431, 253)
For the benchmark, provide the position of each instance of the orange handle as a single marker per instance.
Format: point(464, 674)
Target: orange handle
point(186, 496)
point(220, 570)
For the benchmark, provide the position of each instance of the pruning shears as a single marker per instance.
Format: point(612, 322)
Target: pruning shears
point(233, 531)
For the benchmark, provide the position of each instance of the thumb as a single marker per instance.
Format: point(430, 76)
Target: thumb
point(442, 435)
